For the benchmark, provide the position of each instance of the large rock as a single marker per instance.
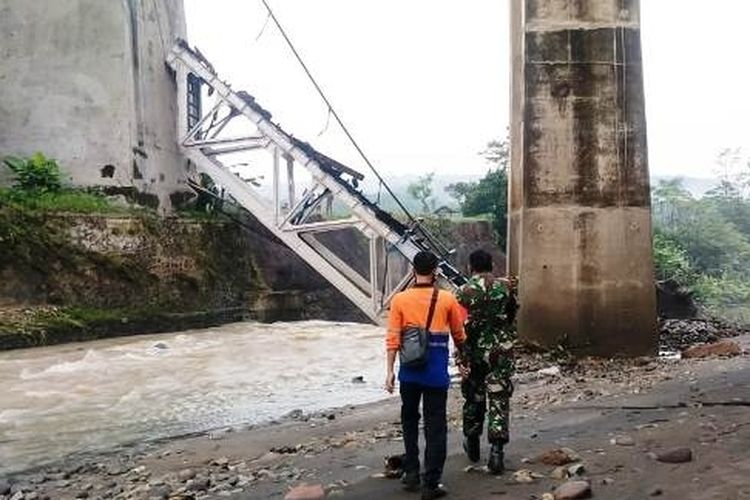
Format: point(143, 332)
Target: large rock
point(306, 492)
point(4, 487)
point(722, 348)
point(572, 490)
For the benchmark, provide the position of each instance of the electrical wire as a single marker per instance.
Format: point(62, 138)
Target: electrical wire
point(263, 29)
point(328, 122)
point(334, 113)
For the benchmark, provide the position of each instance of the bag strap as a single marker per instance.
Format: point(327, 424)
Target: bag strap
point(431, 313)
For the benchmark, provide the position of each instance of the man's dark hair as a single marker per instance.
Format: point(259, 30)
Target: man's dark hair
point(480, 261)
point(425, 263)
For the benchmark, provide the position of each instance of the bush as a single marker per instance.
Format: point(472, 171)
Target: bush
point(725, 296)
point(36, 173)
point(671, 261)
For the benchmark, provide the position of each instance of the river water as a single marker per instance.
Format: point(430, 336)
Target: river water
point(89, 397)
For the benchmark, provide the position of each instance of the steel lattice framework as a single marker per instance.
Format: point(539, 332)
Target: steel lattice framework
point(207, 139)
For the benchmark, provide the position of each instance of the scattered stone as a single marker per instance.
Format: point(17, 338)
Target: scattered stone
point(576, 470)
point(306, 492)
point(4, 487)
point(393, 466)
point(18, 495)
point(199, 484)
point(572, 490)
point(476, 469)
point(115, 470)
point(31, 496)
point(561, 456)
point(82, 494)
point(219, 434)
point(296, 414)
point(607, 481)
point(523, 476)
point(358, 380)
point(266, 474)
point(331, 416)
point(552, 371)
point(623, 441)
point(675, 456)
point(287, 450)
point(161, 492)
point(677, 334)
point(548, 496)
point(19, 488)
point(186, 474)
point(655, 492)
point(559, 473)
point(724, 348)
point(161, 345)
point(650, 425)
point(140, 470)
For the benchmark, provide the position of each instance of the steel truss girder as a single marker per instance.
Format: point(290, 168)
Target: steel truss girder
point(290, 228)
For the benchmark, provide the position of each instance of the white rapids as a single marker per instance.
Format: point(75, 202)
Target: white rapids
point(96, 396)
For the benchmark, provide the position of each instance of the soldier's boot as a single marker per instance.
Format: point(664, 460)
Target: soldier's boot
point(411, 482)
point(471, 447)
point(434, 492)
point(496, 463)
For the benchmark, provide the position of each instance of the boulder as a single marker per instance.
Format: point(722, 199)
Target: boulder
point(572, 490)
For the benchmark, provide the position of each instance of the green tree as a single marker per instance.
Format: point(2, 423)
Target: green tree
point(671, 261)
point(489, 196)
point(421, 190)
point(704, 244)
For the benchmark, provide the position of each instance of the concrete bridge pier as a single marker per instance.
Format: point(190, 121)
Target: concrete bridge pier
point(580, 205)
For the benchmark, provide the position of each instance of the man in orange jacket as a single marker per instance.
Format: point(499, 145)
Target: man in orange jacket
point(428, 383)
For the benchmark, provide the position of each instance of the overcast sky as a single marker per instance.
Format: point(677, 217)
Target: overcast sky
point(424, 84)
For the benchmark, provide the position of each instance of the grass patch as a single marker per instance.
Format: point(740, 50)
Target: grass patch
point(67, 200)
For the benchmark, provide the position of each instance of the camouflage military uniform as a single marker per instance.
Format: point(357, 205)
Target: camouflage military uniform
point(491, 335)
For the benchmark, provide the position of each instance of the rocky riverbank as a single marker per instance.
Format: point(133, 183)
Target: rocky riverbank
point(339, 448)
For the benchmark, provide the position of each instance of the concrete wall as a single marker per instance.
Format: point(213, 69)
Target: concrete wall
point(580, 154)
point(84, 81)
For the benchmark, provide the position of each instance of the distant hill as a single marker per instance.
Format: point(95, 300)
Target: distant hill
point(696, 185)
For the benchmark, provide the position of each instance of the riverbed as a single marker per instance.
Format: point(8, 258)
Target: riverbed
point(96, 396)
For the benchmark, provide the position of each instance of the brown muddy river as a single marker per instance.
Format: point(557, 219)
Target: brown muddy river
point(95, 396)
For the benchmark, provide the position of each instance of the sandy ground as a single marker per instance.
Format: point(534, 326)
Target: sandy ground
point(615, 415)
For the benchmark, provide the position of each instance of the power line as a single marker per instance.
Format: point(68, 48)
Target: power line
point(333, 111)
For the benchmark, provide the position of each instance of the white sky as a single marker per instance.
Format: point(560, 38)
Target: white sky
point(424, 84)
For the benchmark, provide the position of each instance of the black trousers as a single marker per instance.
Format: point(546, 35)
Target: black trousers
point(434, 402)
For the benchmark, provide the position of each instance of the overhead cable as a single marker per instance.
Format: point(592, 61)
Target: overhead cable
point(332, 111)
